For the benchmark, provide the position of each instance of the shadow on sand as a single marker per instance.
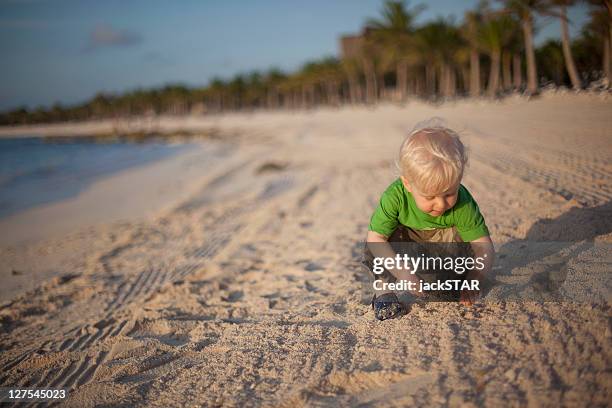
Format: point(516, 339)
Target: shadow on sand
point(536, 267)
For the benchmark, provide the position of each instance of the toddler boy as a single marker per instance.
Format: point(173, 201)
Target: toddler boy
point(426, 204)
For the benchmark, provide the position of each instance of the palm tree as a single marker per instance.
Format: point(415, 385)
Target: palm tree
point(426, 43)
point(601, 23)
point(255, 90)
point(525, 11)
point(551, 61)
point(517, 64)
point(393, 34)
point(511, 56)
point(470, 31)
point(369, 53)
point(437, 44)
point(272, 81)
point(219, 90)
point(289, 88)
point(330, 76)
point(100, 105)
point(176, 99)
point(570, 65)
point(308, 78)
point(236, 90)
point(451, 58)
point(495, 33)
point(351, 68)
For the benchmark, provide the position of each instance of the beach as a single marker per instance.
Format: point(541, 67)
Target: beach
point(232, 275)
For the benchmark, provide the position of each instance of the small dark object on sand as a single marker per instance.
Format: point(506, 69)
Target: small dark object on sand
point(387, 306)
point(67, 278)
point(271, 167)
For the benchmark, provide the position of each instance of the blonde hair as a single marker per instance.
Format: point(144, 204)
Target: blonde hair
point(432, 159)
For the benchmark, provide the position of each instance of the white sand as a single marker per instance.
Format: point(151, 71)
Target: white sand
point(248, 289)
point(29, 241)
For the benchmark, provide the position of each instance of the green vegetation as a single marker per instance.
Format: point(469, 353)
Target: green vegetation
point(391, 60)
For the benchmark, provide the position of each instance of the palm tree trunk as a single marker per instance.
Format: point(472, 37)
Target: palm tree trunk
point(532, 73)
point(517, 71)
point(380, 81)
point(494, 73)
point(506, 71)
point(303, 100)
point(567, 51)
point(419, 85)
point(411, 86)
point(402, 80)
point(443, 87)
point(333, 95)
point(474, 73)
point(354, 91)
point(311, 96)
point(298, 99)
point(430, 80)
point(370, 78)
point(281, 100)
point(465, 78)
point(447, 80)
point(271, 99)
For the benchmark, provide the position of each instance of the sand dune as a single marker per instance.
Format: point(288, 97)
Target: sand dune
point(250, 290)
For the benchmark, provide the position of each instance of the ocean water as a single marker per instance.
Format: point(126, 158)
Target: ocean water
point(36, 171)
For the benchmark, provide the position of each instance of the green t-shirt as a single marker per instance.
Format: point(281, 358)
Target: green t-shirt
point(397, 206)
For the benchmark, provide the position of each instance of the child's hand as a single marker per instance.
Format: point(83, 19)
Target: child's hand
point(469, 297)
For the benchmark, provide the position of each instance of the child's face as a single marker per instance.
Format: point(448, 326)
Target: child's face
point(434, 205)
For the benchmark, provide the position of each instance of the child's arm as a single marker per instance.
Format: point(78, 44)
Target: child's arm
point(483, 248)
point(383, 249)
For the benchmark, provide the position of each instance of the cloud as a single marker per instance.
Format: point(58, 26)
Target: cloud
point(103, 35)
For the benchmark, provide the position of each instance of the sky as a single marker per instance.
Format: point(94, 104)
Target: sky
point(66, 51)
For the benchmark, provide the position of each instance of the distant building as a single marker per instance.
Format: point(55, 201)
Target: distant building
point(350, 45)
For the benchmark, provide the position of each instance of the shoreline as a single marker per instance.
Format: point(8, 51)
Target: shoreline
point(132, 193)
point(69, 228)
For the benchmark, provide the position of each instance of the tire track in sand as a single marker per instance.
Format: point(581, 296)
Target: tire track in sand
point(77, 363)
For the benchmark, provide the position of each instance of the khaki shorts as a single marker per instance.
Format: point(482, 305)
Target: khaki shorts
point(445, 242)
